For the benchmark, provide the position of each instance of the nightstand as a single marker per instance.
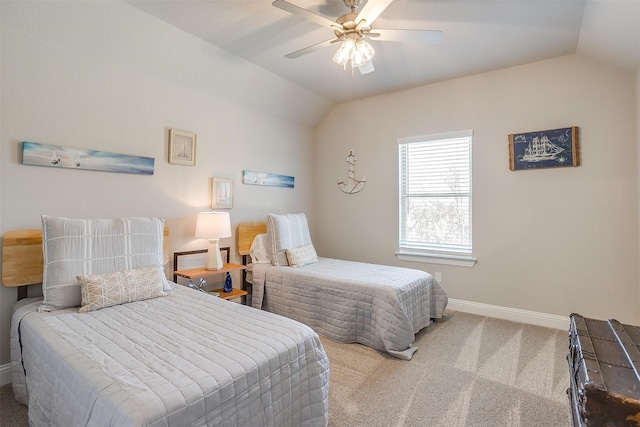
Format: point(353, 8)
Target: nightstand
point(195, 273)
point(235, 293)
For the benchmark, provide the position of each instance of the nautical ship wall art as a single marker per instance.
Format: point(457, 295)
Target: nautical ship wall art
point(182, 147)
point(544, 149)
point(61, 157)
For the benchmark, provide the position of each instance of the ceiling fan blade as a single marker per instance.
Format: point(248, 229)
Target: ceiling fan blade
point(416, 36)
point(370, 11)
point(309, 49)
point(310, 16)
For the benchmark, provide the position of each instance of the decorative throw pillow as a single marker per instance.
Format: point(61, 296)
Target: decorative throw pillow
point(104, 290)
point(302, 255)
point(284, 232)
point(73, 247)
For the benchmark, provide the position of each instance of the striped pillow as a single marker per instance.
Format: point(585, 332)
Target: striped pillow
point(284, 232)
point(73, 247)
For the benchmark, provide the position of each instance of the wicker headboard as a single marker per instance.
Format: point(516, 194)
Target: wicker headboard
point(246, 232)
point(22, 256)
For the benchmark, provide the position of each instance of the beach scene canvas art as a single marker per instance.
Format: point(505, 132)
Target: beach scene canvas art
point(265, 178)
point(58, 156)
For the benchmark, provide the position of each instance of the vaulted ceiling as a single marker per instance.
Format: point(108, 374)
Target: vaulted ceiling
point(478, 36)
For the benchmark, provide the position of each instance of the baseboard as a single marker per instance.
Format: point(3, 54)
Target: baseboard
point(5, 374)
point(513, 314)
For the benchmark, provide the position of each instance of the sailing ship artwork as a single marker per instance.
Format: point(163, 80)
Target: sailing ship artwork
point(58, 156)
point(182, 147)
point(544, 149)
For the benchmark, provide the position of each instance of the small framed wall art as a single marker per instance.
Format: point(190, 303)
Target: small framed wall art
point(544, 149)
point(221, 193)
point(182, 147)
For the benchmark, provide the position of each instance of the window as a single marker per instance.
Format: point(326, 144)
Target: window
point(435, 198)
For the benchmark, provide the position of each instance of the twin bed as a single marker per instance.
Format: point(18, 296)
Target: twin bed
point(181, 358)
point(382, 307)
point(103, 348)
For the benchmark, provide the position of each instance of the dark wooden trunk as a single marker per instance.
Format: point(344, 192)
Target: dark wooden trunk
point(604, 365)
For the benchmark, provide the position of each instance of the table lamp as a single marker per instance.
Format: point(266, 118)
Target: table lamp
point(213, 226)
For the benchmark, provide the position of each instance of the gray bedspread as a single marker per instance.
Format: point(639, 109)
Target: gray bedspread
point(382, 307)
point(188, 359)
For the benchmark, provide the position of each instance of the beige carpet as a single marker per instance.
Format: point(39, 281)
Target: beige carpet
point(469, 371)
point(12, 414)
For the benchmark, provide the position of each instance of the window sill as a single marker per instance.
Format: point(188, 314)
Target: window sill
point(436, 258)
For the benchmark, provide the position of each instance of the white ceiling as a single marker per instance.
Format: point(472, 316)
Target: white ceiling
point(478, 36)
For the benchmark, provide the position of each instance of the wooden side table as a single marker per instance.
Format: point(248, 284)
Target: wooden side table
point(235, 293)
point(195, 273)
point(177, 255)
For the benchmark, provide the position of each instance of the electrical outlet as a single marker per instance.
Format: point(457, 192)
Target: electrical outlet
point(438, 277)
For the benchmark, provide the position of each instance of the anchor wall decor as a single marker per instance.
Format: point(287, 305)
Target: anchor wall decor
point(353, 185)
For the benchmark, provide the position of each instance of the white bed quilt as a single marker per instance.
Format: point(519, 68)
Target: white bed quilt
point(187, 359)
point(382, 307)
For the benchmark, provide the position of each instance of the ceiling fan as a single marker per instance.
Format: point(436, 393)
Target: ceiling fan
point(352, 29)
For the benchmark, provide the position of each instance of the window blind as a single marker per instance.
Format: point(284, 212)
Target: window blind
point(435, 193)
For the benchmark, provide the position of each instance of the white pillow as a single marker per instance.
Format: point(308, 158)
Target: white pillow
point(302, 255)
point(105, 290)
point(258, 251)
point(284, 232)
point(73, 247)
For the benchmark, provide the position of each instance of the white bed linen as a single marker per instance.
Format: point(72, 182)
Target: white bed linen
point(380, 306)
point(188, 359)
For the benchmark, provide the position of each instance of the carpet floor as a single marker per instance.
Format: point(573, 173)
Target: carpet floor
point(468, 371)
point(13, 413)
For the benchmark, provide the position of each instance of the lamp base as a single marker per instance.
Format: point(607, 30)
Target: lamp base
point(214, 260)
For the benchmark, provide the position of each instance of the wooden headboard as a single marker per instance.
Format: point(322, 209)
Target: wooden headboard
point(246, 232)
point(22, 256)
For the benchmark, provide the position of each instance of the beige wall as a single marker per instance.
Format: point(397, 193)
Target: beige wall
point(105, 76)
point(551, 241)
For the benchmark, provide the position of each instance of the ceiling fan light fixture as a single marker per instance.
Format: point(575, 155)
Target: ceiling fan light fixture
point(353, 28)
point(362, 53)
point(356, 50)
point(345, 52)
point(366, 68)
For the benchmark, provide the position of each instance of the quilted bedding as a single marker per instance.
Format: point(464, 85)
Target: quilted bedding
point(382, 307)
point(187, 359)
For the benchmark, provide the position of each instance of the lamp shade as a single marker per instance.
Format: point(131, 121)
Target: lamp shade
point(213, 225)
point(362, 53)
point(344, 52)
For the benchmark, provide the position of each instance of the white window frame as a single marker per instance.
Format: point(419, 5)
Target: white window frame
point(432, 255)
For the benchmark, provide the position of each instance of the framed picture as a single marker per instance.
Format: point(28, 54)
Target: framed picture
point(182, 147)
point(221, 193)
point(267, 178)
point(544, 149)
point(62, 157)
